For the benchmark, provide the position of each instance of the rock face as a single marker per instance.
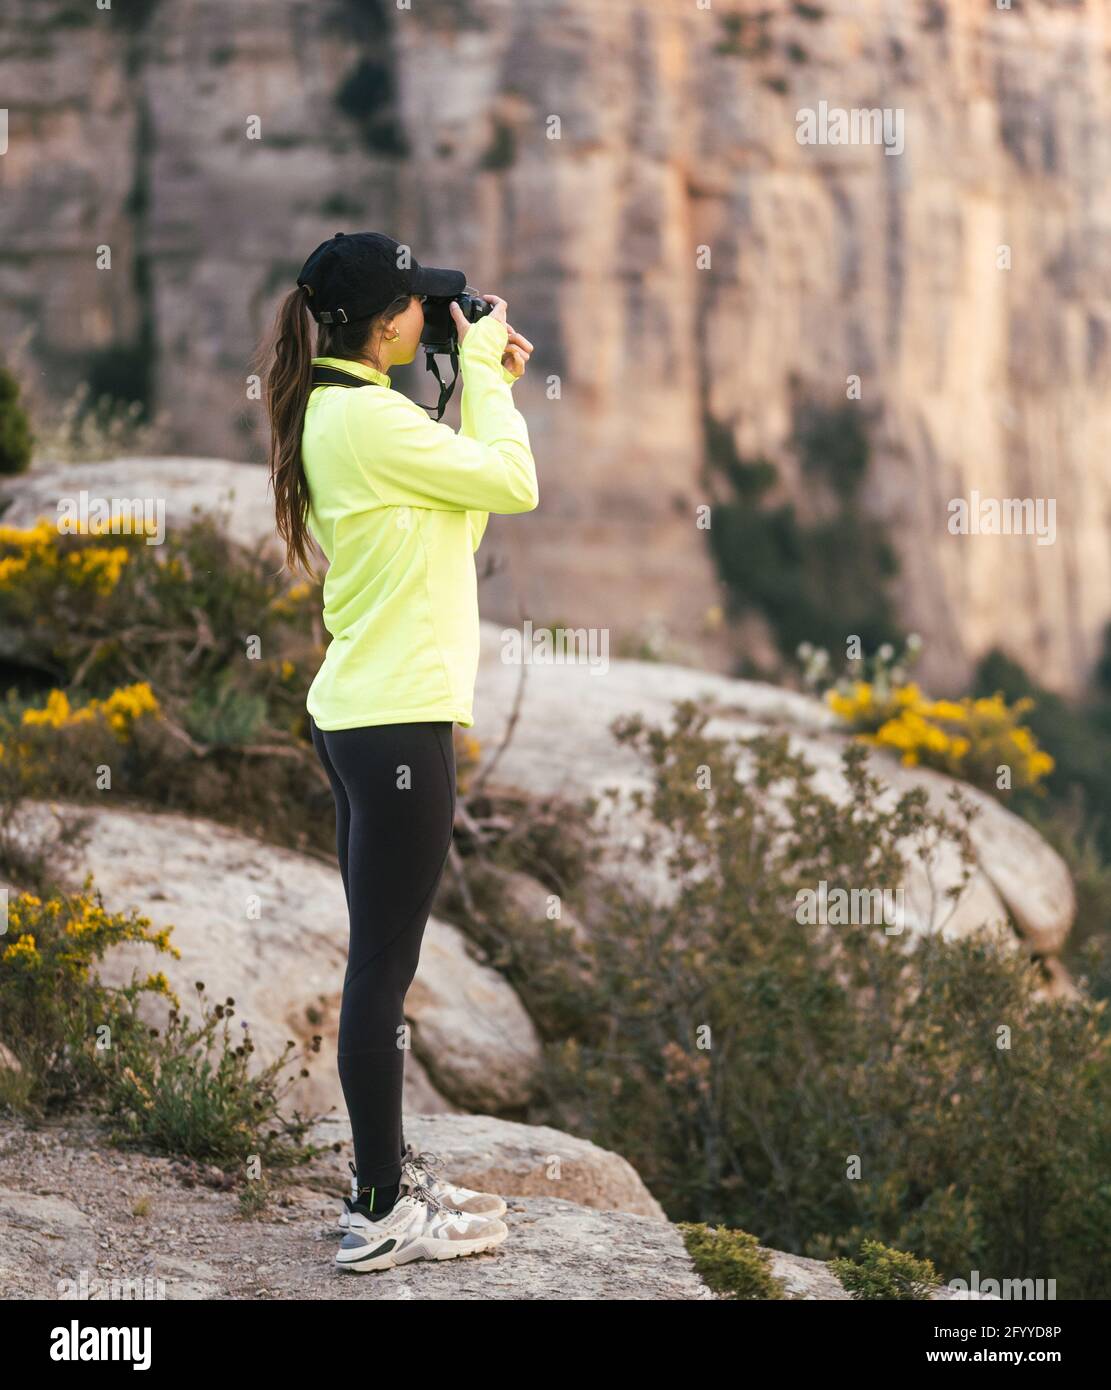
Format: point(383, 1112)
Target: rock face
point(676, 255)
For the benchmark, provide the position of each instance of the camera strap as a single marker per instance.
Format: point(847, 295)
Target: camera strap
point(335, 376)
point(446, 387)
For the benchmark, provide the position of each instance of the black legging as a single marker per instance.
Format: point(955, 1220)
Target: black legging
point(394, 788)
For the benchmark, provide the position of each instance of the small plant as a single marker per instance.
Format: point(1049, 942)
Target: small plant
point(883, 1273)
point(15, 430)
point(254, 1199)
point(225, 646)
point(221, 715)
point(191, 1090)
point(56, 1018)
point(973, 739)
point(885, 670)
point(731, 1262)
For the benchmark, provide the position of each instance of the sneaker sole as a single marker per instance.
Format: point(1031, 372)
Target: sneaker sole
point(421, 1250)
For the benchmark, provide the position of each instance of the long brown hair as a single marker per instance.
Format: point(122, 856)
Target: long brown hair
point(287, 361)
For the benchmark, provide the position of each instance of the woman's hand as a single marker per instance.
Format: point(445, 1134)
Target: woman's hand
point(517, 353)
point(518, 348)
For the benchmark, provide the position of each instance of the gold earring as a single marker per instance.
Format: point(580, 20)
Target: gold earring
point(395, 336)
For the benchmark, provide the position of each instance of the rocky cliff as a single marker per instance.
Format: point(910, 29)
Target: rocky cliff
point(678, 257)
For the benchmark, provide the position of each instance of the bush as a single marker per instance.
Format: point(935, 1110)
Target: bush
point(1079, 733)
point(188, 1090)
point(731, 1262)
point(822, 1085)
point(885, 1274)
point(227, 734)
point(56, 1018)
point(15, 431)
point(191, 1091)
point(967, 738)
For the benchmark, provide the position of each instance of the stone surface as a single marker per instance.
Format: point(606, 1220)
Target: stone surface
point(470, 1026)
point(76, 1215)
point(235, 492)
point(69, 1205)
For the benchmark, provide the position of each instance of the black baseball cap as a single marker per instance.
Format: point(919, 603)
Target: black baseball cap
point(356, 276)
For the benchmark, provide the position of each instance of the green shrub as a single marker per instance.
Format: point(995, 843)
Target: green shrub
point(56, 1018)
point(187, 1090)
point(731, 1262)
point(1073, 813)
point(15, 430)
point(821, 1086)
point(230, 738)
point(883, 1273)
point(220, 715)
point(191, 1090)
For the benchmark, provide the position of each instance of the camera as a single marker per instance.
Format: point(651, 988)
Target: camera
point(439, 327)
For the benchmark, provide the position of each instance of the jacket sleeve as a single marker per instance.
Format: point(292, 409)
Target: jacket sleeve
point(410, 460)
point(477, 522)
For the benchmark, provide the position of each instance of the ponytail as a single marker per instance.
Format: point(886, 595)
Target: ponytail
point(288, 381)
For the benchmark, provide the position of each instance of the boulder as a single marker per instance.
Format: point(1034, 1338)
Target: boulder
point(562, 745)
point(268, 927)
point(235, 493)
point(521, 1160)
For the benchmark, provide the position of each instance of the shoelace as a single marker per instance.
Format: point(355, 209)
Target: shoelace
point(423, 1193)
point(427, 1160)
point(415, 1163)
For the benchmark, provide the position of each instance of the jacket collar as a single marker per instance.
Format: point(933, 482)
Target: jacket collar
point(345, 364)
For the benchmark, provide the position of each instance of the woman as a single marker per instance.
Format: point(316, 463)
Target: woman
point(398, 503)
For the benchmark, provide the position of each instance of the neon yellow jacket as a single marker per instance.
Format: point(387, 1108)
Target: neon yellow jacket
point(399, 504)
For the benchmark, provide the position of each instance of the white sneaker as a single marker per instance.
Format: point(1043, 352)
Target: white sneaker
point(419, 1227)
point(416, 1170)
